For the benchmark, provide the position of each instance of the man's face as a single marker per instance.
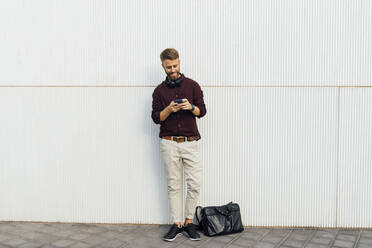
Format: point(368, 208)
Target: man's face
point(172, 68)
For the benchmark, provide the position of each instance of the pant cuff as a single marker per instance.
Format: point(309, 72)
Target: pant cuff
point(190, 217)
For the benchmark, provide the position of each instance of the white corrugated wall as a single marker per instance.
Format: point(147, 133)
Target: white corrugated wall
point(288, 90)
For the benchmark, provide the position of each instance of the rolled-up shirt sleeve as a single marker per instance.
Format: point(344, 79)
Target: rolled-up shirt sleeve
point(156, 107)
point(199, 100)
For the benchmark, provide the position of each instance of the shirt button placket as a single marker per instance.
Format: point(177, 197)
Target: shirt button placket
point(178, 116)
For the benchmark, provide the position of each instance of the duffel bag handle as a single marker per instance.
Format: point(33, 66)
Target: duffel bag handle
point(198, 214)
point(224, 211)
point(227, 212)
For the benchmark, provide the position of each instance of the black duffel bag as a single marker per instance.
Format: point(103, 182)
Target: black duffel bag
point(219, 220)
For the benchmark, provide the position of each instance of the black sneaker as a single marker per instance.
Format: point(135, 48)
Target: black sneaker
point(173, 233)
point(190, 229)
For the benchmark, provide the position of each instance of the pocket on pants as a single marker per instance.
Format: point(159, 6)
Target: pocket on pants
point(194, 146)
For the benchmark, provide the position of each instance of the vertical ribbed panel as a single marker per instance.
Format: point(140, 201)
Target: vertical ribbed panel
point(273, 150)
point(355, 193)
point(80, 154)
point(92, 155)
point(258, 42)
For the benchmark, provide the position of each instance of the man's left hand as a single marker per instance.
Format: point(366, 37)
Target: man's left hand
point(186, 105)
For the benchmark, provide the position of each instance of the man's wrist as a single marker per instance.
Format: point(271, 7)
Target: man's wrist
point(192, 107)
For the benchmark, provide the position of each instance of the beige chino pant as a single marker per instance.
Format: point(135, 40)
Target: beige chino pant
point(185, 153)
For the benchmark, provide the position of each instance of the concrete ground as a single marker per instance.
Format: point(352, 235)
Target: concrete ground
point(31, 235)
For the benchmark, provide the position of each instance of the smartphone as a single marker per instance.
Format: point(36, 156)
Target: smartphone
point(179, 101)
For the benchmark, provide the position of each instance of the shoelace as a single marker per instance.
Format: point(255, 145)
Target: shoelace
point(173, 229)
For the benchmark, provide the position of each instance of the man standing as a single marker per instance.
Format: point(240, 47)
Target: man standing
point(176, 103)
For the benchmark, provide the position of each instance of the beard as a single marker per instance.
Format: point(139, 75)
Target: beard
point(174, 75)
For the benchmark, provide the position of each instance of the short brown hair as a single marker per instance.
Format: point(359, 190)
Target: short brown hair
point(169, 53)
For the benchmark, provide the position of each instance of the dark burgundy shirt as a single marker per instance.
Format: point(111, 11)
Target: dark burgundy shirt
point(181, 123)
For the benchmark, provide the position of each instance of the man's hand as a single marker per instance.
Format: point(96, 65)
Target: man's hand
point(173, 107)
point(185, 105)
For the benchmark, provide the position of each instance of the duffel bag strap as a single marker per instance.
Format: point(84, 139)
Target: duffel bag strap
point(198, 215)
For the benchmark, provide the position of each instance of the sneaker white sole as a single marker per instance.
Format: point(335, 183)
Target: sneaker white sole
point(197, 239)
point(173, 238)
point(194, 239)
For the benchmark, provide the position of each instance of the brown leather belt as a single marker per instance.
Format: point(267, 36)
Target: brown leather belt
point(181, 138)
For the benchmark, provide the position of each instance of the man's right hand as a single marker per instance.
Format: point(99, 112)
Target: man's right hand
point(173, 107)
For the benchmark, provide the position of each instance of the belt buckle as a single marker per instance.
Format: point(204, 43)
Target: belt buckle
point(177, 138)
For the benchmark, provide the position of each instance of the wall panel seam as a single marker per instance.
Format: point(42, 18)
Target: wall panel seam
point(152, 86)
point(338, 149)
